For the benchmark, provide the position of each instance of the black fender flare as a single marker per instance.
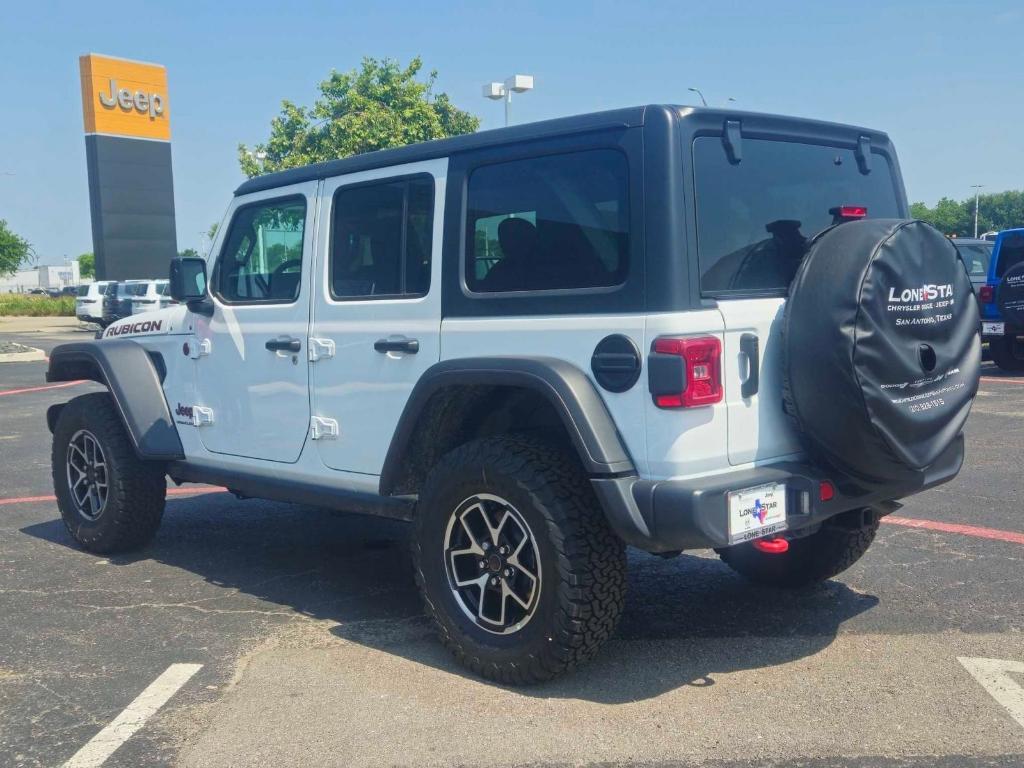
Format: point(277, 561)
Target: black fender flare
point(566, 387)
point(125, 368)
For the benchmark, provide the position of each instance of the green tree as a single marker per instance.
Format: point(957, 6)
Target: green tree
point(998, 211)
point(378, 105)
point(15, 250)
point(212, 231)
point(87, 265)
point(189, 253)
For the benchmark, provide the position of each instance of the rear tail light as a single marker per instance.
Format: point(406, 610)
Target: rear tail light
point(826, 491)
point(987, 294)
point(686, 372)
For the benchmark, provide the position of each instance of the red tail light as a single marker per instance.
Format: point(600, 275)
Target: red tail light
point(987, 294)
point(698, 381)
point(843, 213)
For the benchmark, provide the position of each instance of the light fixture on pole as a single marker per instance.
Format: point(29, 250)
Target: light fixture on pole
point(514, 84)
point(977, 194)
point(703, 101)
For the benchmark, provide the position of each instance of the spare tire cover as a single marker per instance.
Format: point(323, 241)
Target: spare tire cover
point(881, 347)
point(1010, 296)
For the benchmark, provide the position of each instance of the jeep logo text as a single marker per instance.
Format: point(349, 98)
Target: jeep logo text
point(151, 103)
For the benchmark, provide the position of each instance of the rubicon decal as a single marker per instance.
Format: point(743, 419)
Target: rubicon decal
point(134, 329)
point(927, 292)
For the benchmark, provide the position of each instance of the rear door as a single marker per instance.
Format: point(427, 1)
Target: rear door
point(377, 308)
point(754, 218)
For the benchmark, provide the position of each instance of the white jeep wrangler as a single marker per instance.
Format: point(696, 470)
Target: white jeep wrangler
point(667, 327)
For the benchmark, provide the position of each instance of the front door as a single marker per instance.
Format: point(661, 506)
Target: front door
point(377, 309)
point(253, 378)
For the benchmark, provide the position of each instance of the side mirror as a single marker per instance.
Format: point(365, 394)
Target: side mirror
point(188, 279)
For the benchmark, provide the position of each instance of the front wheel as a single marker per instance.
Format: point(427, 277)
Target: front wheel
point(111, 500)
point(518, 568)
point(839, 543)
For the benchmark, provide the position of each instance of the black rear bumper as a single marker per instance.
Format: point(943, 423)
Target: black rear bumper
point(672, 515)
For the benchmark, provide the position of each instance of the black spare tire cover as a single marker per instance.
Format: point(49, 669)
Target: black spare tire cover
point(881, 347)
point(1010, 296)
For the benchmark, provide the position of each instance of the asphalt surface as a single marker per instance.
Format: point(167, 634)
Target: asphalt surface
point(314, 649)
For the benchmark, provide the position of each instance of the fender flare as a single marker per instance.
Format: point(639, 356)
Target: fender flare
point(125, 368)
point(567, 388)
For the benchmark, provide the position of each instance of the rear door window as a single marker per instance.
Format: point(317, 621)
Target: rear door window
point(754, 217)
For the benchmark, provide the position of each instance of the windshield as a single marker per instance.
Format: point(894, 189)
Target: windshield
point(163, 289)
point(975, 257)
point(754, 217)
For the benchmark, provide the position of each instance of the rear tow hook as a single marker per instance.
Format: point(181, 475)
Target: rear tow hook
point(773, 546)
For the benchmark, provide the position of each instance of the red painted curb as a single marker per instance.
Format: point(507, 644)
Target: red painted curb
point(967, 530)
point(40, 389)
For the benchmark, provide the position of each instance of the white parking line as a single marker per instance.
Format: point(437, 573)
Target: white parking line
point(994, 676)
point(102, 745)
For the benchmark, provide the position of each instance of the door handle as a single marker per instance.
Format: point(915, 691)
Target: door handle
point(284, 344)
point(750, 347)
point(410, 346)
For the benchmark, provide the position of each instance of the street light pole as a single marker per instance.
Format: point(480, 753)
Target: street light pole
point(703, 101)
point(514, 84)
point(977, 194)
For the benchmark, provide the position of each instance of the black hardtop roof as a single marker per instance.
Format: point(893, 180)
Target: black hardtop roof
point(628, 117)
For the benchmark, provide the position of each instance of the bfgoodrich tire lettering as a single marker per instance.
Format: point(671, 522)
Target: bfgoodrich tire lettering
point(581, 565)
point(133, 491)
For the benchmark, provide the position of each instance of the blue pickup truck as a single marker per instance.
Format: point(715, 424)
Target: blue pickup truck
point(1004, 331)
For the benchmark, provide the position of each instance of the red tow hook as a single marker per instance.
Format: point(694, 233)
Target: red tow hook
point(773, 546)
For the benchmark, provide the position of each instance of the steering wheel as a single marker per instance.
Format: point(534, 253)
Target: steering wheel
point(284, 266)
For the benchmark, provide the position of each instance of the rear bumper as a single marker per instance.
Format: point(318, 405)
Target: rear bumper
point(672, 515)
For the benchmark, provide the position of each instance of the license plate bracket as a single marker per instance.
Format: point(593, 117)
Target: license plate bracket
point(756, 511)
point(993, 329)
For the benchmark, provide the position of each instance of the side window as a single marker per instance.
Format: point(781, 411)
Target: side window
point(262, 257)
point(548, 223)
point(381, 237)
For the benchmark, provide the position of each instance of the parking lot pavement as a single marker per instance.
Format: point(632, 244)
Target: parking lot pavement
point(314, 650)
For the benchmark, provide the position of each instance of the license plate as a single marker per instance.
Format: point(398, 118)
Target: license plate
point(756, 512)
point(993, 329)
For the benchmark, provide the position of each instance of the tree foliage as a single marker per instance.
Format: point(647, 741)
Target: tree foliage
point(1002, 210)
point(87, 265)
point(189, 253)
point(378, 105)
point(15, 251)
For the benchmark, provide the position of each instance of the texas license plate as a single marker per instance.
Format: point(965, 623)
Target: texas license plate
point(993, 329)
point(756, 512)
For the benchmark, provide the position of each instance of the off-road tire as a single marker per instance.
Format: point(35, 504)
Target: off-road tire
point(835, 547)
point(583, 564)
point(136, 489)
point(1008, 354)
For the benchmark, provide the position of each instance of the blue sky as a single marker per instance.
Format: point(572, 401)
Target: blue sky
point(943, 78)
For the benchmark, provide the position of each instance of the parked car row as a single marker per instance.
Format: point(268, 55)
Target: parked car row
point(105, 301)
point(993, 266)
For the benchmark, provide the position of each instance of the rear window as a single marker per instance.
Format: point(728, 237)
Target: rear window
point(755, 217)
point(975, 257)
point(1011, 253)
point(83, 290)
point(163, 289)
point(136, 289)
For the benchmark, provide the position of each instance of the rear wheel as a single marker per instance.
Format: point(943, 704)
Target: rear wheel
point(111, 501)
point(839, 544)
point(518, 568)
point(1008, 353)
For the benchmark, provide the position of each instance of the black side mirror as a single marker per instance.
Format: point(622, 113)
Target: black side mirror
point(187, 280)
